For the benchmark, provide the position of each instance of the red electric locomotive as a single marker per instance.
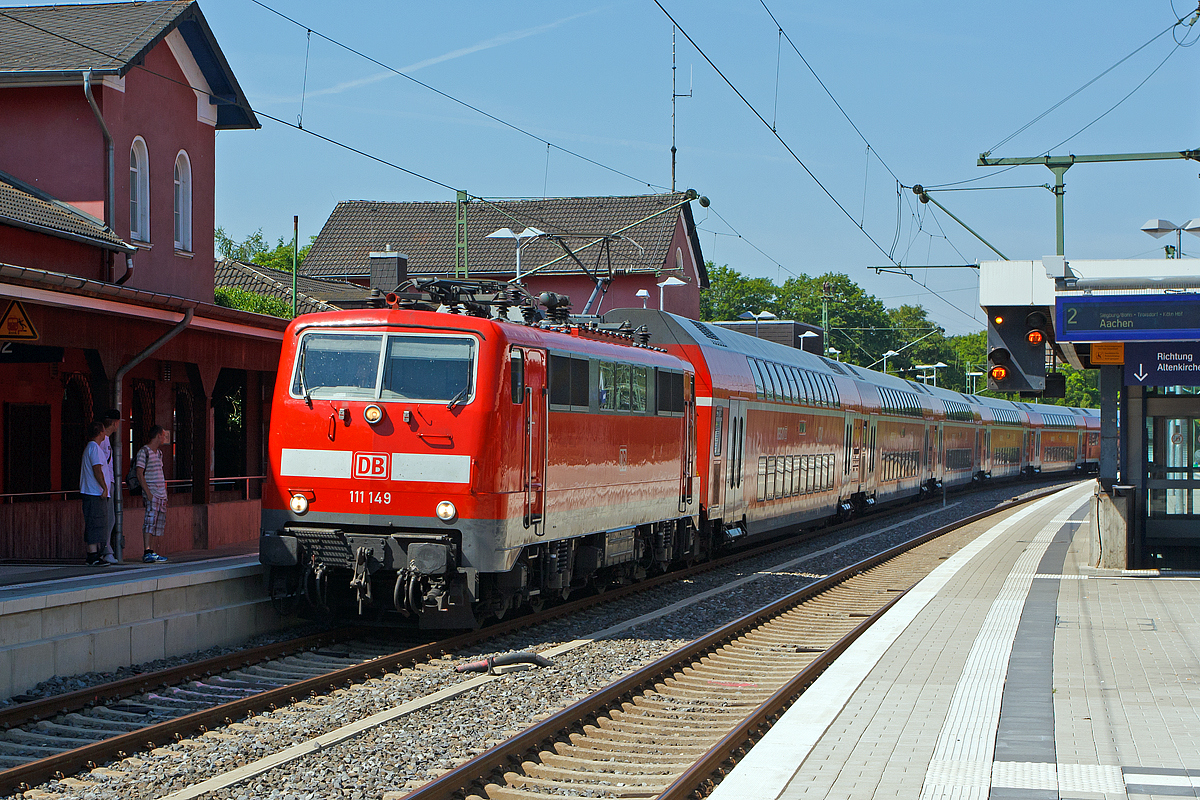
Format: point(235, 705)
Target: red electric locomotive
point(445, 466)
point(449, 467)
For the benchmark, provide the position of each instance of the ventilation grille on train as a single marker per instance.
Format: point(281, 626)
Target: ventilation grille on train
point(704, 329)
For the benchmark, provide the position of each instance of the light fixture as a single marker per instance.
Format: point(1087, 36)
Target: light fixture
point(298, 504)
point(886, 356)
point(373, 414)
point(644, 294)
point(756, 317)
point(446, 511)
point(523, 238)
point(671, 281)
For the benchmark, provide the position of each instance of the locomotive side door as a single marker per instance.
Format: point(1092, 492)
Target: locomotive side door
point(533, 464)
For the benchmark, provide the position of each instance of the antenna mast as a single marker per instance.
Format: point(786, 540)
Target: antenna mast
point(673, 96)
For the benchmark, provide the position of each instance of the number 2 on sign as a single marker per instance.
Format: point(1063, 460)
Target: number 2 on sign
point(363, 496)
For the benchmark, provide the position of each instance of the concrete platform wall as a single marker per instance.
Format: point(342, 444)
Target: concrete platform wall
point(104, 627)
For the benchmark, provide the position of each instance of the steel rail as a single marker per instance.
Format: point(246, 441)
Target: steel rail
point(23, 776)
point(46, 707)
point(511, 752)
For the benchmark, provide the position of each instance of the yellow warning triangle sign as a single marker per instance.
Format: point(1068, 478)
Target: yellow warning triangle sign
point(15, 324)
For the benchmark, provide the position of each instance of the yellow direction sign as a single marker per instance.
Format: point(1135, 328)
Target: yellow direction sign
point(15, 324)
point(1108, 353)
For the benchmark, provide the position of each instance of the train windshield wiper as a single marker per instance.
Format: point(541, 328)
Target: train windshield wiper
point(462, 393)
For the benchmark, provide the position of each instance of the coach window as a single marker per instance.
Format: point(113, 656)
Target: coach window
point(785, 392)
point(795, 383)
point(759, 382)
point(516, 364)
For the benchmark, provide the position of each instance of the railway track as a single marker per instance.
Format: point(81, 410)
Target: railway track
point(60, 735)
point(670, 728)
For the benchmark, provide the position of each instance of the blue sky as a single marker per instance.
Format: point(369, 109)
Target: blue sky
point(930, 85)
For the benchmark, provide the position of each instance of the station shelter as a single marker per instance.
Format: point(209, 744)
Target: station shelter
point(107, 175)
point(1138, 323)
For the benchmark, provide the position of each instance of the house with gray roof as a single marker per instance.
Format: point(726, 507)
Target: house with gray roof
point(624, 245)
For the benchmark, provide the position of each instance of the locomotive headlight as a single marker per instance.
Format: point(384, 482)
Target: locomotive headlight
point(446, 511)
point(373, 414)
point(298, 504)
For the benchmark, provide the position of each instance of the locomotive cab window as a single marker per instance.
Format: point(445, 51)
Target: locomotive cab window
point(368, 366)
point(428, 368)
point(337, 366)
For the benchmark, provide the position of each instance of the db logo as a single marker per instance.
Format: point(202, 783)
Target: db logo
point(372, 465)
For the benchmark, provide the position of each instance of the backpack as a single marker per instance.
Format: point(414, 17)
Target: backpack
point(131, 479)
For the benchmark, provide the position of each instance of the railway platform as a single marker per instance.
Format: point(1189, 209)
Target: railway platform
point(1014, 670)
point(58, 619)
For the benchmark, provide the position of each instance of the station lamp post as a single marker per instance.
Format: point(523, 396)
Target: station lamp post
point(756, 318)
point(671, 281)
point(833, 351)
point(523, 238)
point(974, 376)
point(933, 368)
point(645, 295)
point(886, 356)
point(1159, 228)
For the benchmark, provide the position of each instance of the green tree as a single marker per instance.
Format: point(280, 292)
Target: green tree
point(858, 322)
point(255, 250)
point(730, 293)
point(243, 300)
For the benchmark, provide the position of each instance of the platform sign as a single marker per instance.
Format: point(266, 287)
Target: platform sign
point(1112, 353)
point(1162, 364)
point(1127, 318)
point(18, 353)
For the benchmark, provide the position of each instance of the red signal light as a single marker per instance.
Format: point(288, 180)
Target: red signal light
point(1035, 338)
point(999, 373)
point(998, 319)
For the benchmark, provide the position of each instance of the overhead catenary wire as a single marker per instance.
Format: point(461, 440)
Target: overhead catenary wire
point(1179, 21)
point(763, 120)
point(456, 100)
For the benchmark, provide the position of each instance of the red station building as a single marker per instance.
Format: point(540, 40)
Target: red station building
point(108, 117)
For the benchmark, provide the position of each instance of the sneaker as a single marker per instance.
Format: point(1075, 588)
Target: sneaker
point(94, 560)
point(109, 558)
point(151, 557)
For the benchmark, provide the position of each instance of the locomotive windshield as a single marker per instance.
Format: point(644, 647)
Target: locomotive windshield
point(393, 367)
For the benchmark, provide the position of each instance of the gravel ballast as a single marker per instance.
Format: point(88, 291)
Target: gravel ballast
point(413, 749)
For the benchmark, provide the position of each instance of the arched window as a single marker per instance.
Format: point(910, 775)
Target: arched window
point(139, 191)
point(183, 202)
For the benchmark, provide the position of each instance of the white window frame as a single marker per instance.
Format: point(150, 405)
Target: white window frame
point(182, 198)
point(139, 188)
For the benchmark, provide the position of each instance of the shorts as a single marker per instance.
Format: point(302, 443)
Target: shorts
point(155, 521)
point(97, 518)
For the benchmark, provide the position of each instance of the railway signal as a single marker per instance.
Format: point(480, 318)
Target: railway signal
point(1017, 339)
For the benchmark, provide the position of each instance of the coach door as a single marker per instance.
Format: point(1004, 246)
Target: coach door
point(735, 461)
point(717, 475)
point(533, 466)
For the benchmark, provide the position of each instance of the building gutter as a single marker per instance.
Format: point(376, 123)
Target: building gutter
point(118, 471)
point(109, 157)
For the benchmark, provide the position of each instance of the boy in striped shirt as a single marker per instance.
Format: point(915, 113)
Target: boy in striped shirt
point(154, 490)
